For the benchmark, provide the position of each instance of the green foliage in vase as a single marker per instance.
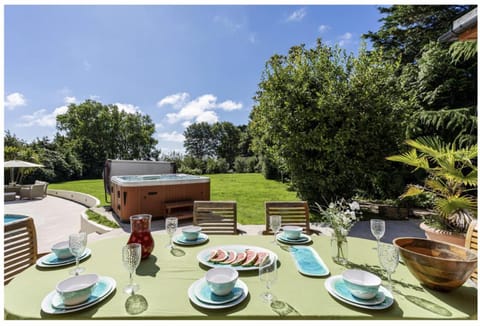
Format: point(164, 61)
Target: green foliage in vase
point(452, 178)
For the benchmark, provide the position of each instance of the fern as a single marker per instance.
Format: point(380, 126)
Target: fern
point(462, 51)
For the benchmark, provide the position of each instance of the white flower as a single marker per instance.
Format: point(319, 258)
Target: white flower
point(354, 206)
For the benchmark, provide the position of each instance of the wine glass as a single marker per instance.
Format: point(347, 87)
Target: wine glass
point(275, 224)
point(131, 256)
point(267, 272)
point(171, 224)
point(77, 244)
point(388, 256)
point(377, 227)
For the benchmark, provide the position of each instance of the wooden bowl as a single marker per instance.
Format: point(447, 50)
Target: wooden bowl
point(437, 265)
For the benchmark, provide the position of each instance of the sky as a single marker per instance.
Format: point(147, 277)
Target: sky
point(180, 64)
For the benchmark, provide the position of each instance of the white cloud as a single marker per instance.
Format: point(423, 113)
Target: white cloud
point(230, 106)
point(174, 136)
point(200, 109)
point(175, 99)
point(297, 15)
point(94, 97)
point(15, 99)
point(345, 39)
point(323, 28)
point(70, 99)
point(128, 108)
point(42, 118)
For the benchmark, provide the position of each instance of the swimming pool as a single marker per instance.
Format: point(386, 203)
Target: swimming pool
point(9, 218)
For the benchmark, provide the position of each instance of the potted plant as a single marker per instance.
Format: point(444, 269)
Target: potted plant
point(451, 179)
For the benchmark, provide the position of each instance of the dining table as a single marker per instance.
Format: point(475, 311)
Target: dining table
point(164, 279)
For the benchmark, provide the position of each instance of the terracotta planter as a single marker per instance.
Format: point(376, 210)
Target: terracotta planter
point(442, 235)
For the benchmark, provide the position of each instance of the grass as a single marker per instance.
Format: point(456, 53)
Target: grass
point(100, 219)
point(250, 190)
point(92, 187)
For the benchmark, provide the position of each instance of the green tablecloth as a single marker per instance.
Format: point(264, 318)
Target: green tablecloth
point(164, 280)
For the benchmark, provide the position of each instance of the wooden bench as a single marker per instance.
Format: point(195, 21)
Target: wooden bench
point(179, 209)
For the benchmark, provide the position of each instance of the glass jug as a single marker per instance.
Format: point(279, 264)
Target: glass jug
point(141, 233)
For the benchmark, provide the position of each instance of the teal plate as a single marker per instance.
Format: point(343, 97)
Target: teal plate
point(203, 292)
point(308, 261)
point(180, 239)
point(337, 288)
point(99, 294)
point(51, 260)
point(100, 289)
point(304, 238)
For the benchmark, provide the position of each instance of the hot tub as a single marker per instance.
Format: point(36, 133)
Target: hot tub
point(149, 194)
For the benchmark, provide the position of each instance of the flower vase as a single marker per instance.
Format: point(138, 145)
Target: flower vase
point(339, 246)
point(141, 233)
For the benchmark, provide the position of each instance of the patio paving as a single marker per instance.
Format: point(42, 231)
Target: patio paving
point(55, 218)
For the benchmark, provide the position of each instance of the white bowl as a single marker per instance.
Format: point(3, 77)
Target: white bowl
point(76, 289)
point(191, 232)
point(62, 250)
point(221, 280)
point(361, 284)
point(292, 232)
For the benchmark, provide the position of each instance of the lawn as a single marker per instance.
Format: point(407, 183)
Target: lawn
point(250, 190)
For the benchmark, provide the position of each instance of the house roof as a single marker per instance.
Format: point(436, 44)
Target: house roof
point(463, 28)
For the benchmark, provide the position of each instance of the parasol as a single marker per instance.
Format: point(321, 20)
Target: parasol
point(19, 164)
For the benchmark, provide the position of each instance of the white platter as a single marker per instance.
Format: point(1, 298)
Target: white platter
point(204, 254)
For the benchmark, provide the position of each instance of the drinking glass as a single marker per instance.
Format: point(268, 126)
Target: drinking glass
point(77, 244)
point(377, 227)
point(267, 273)
point(131, 256)
point(171, 224)
point(275, 224)
point(388, 257)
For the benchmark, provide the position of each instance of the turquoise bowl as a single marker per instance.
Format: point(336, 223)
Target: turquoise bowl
point(76, 289)
point(361, 284)
point(191, 232)
point(62, 250)
point(292, 232)
point(221, 280)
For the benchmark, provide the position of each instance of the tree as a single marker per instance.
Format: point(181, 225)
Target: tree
point(227, 139)
point(97, 132)
point(328, 120)
point(407, 29)
point(199, 140)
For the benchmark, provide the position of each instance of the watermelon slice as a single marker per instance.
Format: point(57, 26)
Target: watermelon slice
point(240, 258)
point(232, 256)
point(251, 257)
point(261, 257)
point(220, 256)
point(212, 255)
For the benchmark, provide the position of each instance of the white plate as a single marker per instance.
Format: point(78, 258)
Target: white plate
point(180, 240)
point(198, 302)
point(50, 261)
point(203, 292)
point(304, 238)
point(204, 254)
point(50, 298)
point(333, 282)
point(308, 261)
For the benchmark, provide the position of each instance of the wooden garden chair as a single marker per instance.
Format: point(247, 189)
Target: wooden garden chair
point(292, 213)
point(20, 247)
point(216, 217)
point(471, 242)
